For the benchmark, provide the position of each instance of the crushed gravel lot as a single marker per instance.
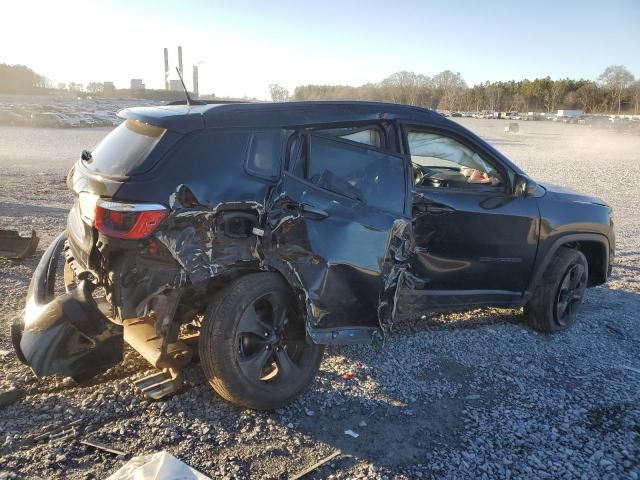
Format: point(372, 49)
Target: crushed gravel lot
point(467, 395)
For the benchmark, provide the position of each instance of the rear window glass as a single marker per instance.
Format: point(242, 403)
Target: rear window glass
point(265, 152)
point(124, 150)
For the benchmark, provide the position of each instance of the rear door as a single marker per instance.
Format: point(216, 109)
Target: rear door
point(338, 218)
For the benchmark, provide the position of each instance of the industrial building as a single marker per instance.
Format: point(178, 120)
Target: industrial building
point(136, 84)
point(175, 84)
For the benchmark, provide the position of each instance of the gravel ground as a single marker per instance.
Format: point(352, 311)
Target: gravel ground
point(467, 395)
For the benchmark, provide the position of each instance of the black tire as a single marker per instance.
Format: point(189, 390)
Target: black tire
point(556, 301)
point(253, 345)
point(16, 330)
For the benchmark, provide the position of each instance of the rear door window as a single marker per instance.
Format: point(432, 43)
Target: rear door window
point(368, 135)
point(374, 177)
point(264, 155)
point(126, 148)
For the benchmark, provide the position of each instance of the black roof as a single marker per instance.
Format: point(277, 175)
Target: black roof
point(184, 118)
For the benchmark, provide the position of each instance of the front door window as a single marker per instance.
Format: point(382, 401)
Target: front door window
point(442, 161)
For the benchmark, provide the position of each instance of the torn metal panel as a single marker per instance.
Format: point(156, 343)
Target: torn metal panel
point(208, 241)
point(346, 257)
point(345, 260)
point(401, 248)
point(135, 280)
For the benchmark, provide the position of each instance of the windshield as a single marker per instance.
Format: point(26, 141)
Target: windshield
point(124, 150)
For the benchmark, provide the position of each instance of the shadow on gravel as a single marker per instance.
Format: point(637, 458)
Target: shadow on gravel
point(392, 431)
point(393, 435)
point(20, 210)
point(627, 267)
point(459, 320)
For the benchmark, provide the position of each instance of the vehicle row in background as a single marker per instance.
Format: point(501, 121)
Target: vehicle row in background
point(618, 123)
point(65, 113)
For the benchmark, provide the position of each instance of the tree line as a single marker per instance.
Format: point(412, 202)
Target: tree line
point(615, 91)
point(19, 79)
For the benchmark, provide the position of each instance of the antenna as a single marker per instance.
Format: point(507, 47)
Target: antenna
point(186, 92)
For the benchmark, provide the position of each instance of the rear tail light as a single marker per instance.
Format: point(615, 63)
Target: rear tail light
point(130, 221)
point(87, 205)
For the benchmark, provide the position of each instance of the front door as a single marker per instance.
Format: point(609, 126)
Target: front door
point(335, 219)
point(476, 242)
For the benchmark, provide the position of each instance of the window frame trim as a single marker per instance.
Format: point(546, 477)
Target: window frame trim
point(359, 127)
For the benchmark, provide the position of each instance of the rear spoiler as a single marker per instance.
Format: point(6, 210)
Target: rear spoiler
point(176, 119)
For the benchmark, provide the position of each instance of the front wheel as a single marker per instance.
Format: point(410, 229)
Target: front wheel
point(253, 345)
point(555, 303)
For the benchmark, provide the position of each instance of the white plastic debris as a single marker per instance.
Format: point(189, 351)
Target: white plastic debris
point(351, 433)
point(157, 466)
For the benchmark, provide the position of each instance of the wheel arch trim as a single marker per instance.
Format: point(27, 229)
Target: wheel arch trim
point(541, 266)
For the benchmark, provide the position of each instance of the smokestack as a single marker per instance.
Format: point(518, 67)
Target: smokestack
point(166, 69)
point(180, 61)
point(195, 81)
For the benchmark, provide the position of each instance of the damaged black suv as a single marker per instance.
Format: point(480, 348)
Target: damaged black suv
point(255, 234)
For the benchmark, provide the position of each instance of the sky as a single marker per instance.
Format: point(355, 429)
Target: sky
point(246, 45)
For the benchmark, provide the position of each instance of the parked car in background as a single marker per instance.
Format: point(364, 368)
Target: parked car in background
point(9, 117)
point(47, 120)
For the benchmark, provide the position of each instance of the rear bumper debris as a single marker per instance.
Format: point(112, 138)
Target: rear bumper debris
point(66, 335)
point(12, 245)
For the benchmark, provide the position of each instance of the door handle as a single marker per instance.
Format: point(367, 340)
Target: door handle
point(436, 209)
point(306, 208)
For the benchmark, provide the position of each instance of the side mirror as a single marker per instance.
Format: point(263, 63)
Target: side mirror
point(524, 186)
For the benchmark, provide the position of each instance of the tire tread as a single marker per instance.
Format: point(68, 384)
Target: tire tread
point(540, 311)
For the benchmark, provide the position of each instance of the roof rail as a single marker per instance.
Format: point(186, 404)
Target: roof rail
point(207, 102)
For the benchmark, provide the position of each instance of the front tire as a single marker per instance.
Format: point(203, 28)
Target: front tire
point(556, 302)
point(253, 345)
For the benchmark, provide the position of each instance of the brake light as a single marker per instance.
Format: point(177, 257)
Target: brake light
point(87, 205)
point(130, 221)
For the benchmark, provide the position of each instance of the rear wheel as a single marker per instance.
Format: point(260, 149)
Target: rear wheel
point(556, 302)
point(253, 345)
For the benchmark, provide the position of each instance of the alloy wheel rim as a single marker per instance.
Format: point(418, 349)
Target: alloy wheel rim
point(271, 345)
point(570, 294)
